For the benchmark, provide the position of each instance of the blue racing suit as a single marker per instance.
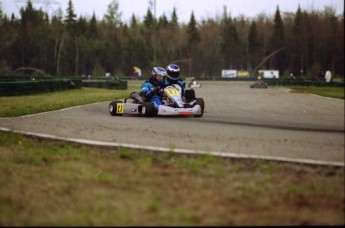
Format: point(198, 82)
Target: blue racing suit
point(151, 90)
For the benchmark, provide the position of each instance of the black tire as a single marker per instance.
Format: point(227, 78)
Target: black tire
point(189, 94)
point(148, 110)
point(200, 101)
point(115, 109)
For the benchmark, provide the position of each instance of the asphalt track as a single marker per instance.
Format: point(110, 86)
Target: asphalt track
point(238, 121)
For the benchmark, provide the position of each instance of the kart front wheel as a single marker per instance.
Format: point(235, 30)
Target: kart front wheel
point(116, 108)
point(200, 101)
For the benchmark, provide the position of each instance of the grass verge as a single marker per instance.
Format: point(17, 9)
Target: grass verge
point(334, 92)
point(24, 105)
point(53, 183)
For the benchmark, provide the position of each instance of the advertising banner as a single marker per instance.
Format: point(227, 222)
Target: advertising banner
point(229, 73)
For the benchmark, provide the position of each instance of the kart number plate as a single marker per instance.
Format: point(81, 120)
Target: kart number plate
point(173, 92)
point(119, 108)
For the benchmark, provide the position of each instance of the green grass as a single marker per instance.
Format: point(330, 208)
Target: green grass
point(24, 105)
point(334, 92)
point(55, 183)
point(12, 106)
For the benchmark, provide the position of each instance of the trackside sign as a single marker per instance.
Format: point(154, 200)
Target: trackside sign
point(269, 73)
point(229, 73)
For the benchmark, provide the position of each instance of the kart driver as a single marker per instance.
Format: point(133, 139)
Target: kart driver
point(151, 88)
point(173, 77)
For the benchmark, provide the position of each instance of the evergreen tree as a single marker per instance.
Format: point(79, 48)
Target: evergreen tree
point(253, 45)
point(230, 42)
point(302, 45)
point(278, 43)
point(70, 19)
point(32, 39)
point(92, 28)
point(149, 23)
point(133, 22)
point(67, 46)
point(72, 44)
point(193, 38)
point(149, 20)
point(174, 19)
point(1, 14)
point(192, 32)
point(163, 21)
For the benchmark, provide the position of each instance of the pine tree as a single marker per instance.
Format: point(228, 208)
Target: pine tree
point(253, 45)
point(192, 32)
point(174, 19)
point(92, 28)
point(163, 21)
point(193, 38)
point(70, 19)
point(230, 42)
point(278, 43)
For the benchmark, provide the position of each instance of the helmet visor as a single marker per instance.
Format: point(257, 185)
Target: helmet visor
point(159, 77)
point(174, 75)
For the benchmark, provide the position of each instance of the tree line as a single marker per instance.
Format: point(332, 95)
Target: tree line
point(300, 43)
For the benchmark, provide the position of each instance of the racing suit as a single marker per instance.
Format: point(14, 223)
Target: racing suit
point(151, 90)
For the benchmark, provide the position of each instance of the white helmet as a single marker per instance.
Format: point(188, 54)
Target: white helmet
point(158, 74)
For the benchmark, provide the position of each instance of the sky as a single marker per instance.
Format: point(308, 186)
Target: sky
point(202, 9)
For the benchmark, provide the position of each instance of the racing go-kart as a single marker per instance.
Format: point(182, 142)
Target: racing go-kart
point(193, 84)
point(259, 84)
point(173, 104)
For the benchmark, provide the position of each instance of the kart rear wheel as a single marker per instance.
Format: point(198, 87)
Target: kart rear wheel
point(190, 94)
point(116, 108)
point(148, 110)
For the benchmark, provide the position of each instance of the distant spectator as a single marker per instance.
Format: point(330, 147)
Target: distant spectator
point(328, 76)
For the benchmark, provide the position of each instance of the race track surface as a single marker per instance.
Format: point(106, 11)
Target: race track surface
point(237, 119)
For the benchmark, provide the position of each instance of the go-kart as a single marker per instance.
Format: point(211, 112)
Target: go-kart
point(259, 84)
point(193, 84)
point(173, 104)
